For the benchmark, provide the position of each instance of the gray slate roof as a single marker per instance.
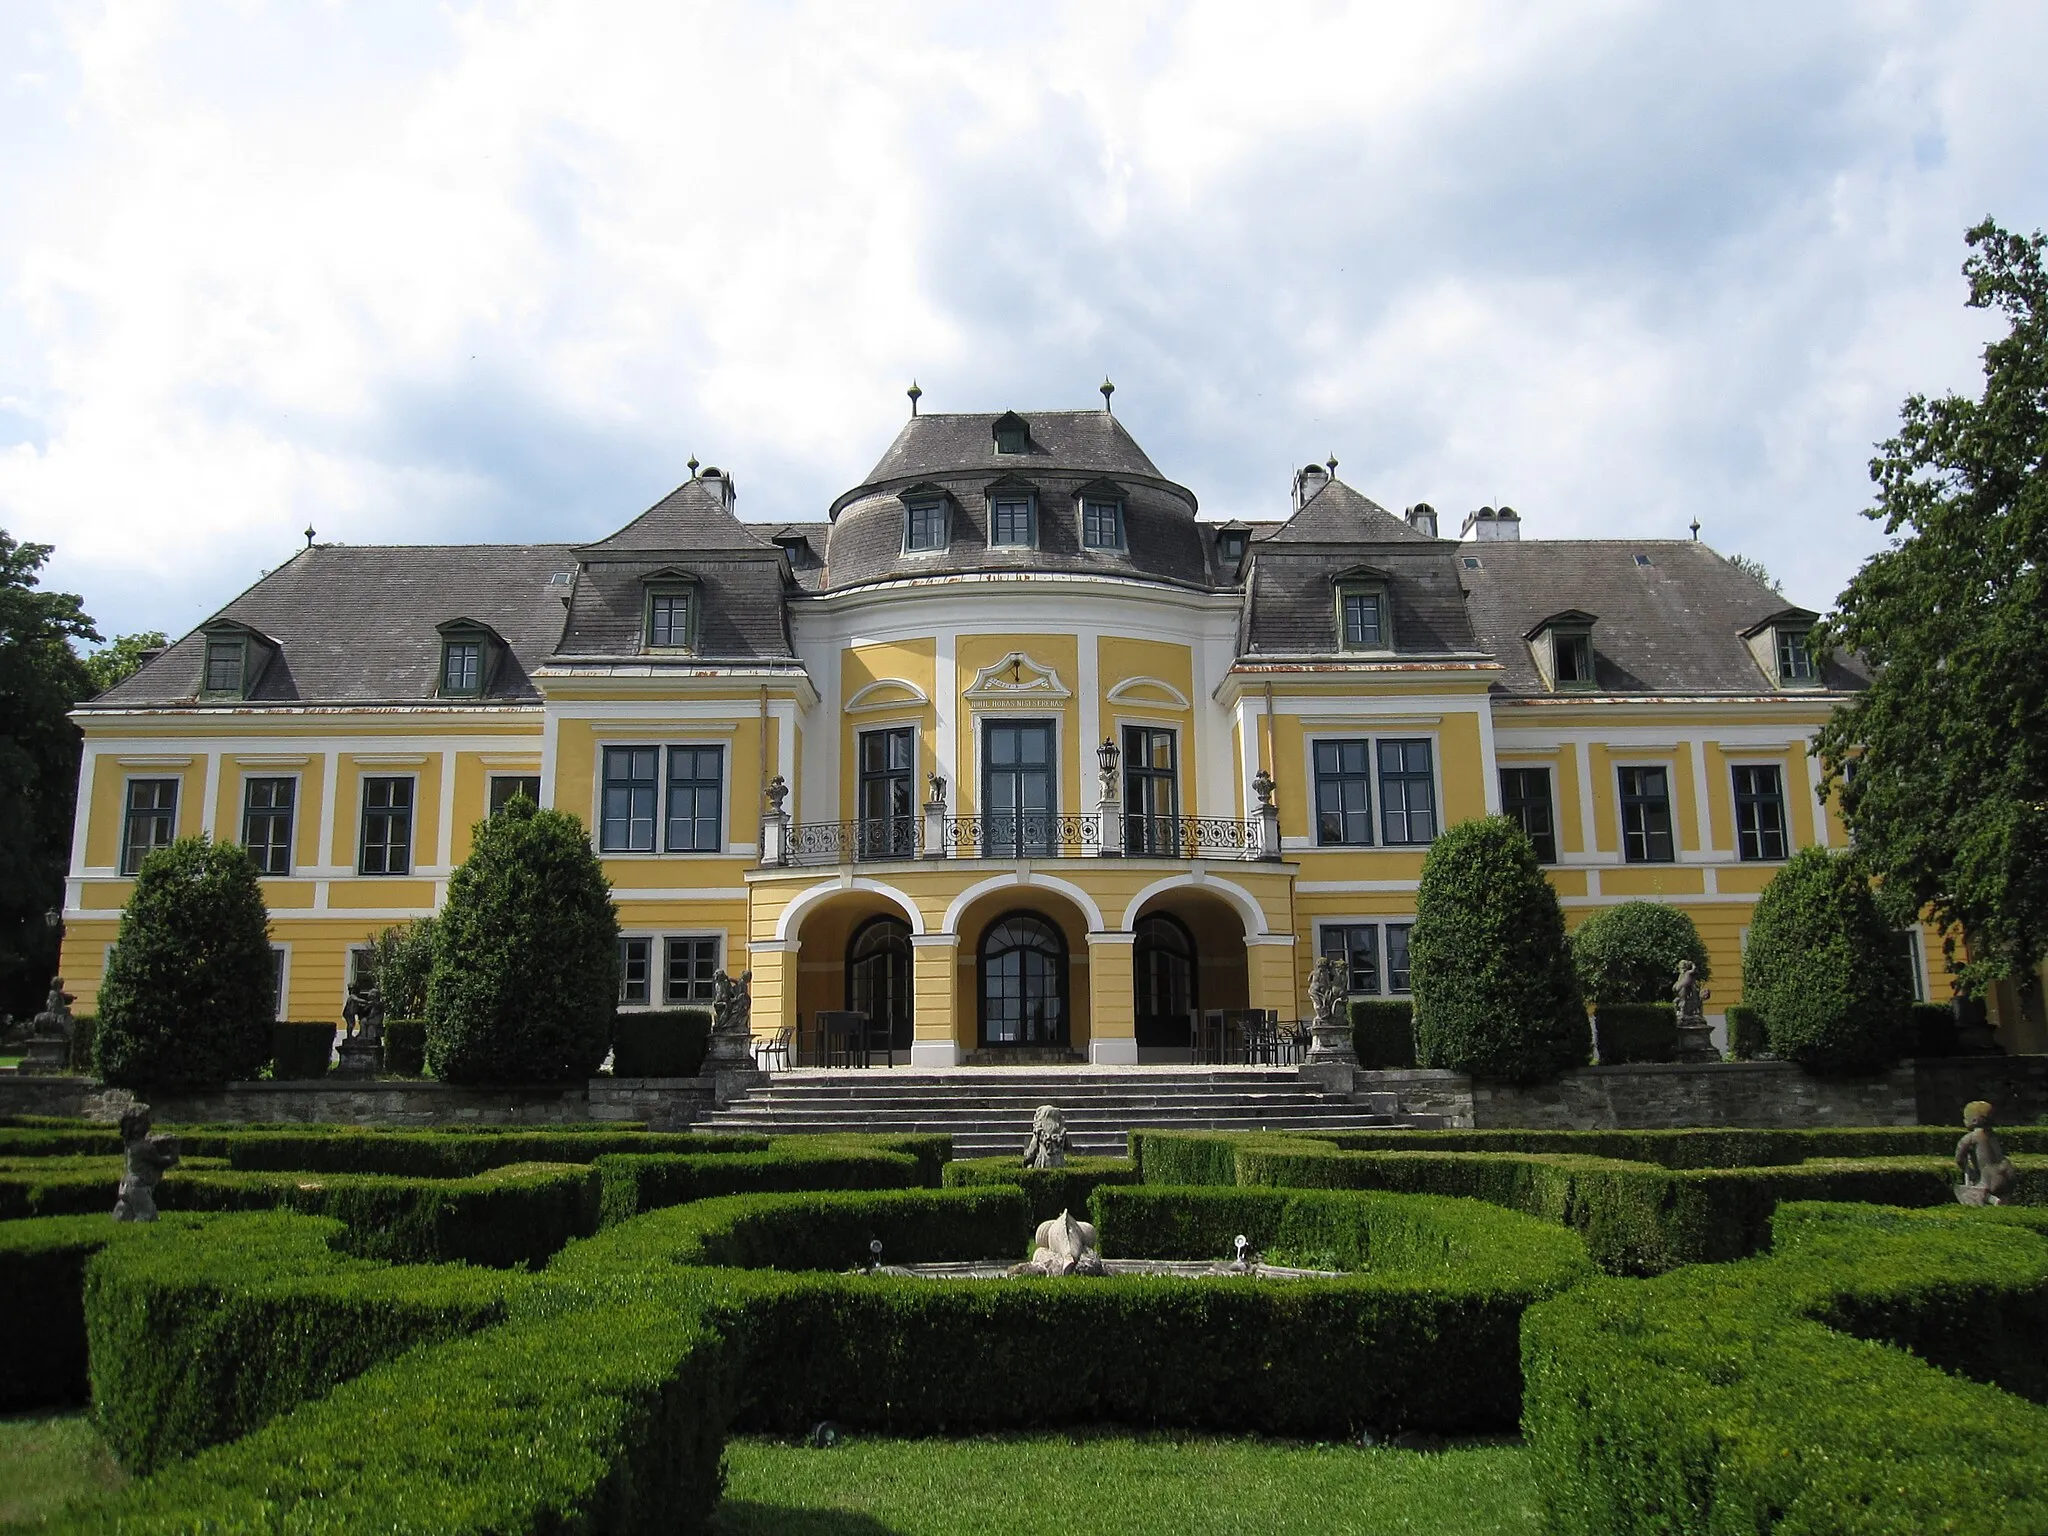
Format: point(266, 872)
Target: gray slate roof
point(693, 516)
point(355, 623)
point(1292, 603)
point(740, 617)
point(950, 444)
point(1672, 626)
point(1339, 514)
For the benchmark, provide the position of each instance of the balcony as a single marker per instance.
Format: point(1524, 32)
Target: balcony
point(1106, 833)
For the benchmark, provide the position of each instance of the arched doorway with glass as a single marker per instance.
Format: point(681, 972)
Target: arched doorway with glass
point(1166, 984)
point(878, 977)
point(1022, 967)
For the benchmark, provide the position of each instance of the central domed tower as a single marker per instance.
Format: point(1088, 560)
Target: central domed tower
point(1067, 492)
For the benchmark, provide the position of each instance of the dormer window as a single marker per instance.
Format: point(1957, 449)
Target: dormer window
point(924, 525)
point(1230, 547)
point(1012, 517)
point(1102, 515)
point(1013, 434)
point(668, 619)
point(1562, 646)
point(1795, 661)
point(462, 667)
point(226, 664)
point(1364, 619)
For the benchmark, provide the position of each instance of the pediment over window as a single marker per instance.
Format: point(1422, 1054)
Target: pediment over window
point(887, 693)
point(1016, 682)
point(1569, 618)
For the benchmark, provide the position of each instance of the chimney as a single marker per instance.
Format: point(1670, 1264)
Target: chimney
point(721, 484)
point(1486, 526)
point(1307, 482)
point(1422, 518)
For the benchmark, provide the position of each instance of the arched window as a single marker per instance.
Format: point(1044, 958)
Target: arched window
point(1163, 983)
point(878, 973)
point(1023, 982)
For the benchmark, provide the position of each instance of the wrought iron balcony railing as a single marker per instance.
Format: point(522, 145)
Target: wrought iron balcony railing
point(1015, 835)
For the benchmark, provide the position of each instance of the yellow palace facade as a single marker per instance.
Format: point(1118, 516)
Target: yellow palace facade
point(1011, 748)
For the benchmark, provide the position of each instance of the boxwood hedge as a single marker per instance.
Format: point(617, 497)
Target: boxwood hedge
point(1048, 1190)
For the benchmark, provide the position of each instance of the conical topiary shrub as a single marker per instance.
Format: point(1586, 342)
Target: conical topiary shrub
point(1495, 993)
point(526, 955)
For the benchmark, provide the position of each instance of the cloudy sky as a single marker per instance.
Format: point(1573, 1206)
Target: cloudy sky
point(471, 272)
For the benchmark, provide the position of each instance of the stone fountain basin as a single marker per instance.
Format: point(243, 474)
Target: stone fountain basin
point(1183, 1269)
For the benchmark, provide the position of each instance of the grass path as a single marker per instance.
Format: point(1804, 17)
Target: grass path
point(1114, 1483)
point(46, 1458)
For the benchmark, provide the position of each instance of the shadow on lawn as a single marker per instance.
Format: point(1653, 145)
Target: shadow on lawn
point(746, 1517)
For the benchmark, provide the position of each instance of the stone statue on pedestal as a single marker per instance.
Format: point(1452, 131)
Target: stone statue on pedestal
point(1047, 1147)
point(149, 1158)
point(1988, 1175)
point(732, 1029)
point(1329, 998)
point(48, 1048)
point(1695, 1034)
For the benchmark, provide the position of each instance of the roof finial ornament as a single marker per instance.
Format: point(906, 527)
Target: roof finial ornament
point(1695, 530)
point(693, 466)
point(1107, 389)
point(309, 535)
point(914, 392)
point(1333, 466)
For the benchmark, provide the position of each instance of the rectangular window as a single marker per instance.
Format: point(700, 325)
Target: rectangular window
point(1397, 957)
point(1407, 792)
point(1357, 947)
point(1011, 521)
point(695, 792)
point(1362, 627)
point(692, 964)
point(1525, 800)
point(1102, 524)
point(626, 817)
point(223, 666)
point(387, 827)
point(924, 525)
point(1646, 816)
point(888, 821)
point(1759, 812)
point(1914, 956)
point(1152, 822)
point(668, 620)
point(462, 666)
point(1574, 654)
point(1795, 662)
point(506, 787)
point(1343, 793)
point(152, 820)
point(633, 972)
point(267, 823)
point(277, 987)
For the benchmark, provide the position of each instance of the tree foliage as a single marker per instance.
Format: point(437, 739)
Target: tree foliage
point(1495, 994)
point(1630, 953)
point(1750, 566)
point(1949, 799)
point(121, 658)
point(188, 997)
point(526, 955)
point(1821, 968)
point(41, 677)
point(402, 959)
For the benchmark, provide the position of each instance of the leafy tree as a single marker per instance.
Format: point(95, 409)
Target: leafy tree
point(1495, 994)
point(402, 960)
point(1822, 970)
point(526, 955)
point(41, 677)
point(188, 998)
point(1753, 567)
point(1948, 801)
point(121, 658)
point(1630, 953)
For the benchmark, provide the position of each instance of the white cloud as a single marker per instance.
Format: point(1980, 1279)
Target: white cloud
point(495, 272)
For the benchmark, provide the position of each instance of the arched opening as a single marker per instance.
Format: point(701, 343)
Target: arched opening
point(1166, 985)
point(1022, 969)
point(878, 976)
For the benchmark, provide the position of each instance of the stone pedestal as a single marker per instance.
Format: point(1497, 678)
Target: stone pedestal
point(45, 1055)
point(358, 1057)
point(1333, 1077)
point(1696, 1042)
point(728, 1085)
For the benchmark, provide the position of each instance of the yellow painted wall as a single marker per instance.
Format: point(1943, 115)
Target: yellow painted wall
point(862, 666)
point(1118, 660)
point(1059, 652)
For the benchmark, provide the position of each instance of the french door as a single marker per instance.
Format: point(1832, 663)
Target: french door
point(887, 828)
point(1151, 792)
point(1019, 815)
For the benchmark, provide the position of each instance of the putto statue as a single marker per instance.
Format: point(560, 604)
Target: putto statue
point(1695, 1034)
point(732, 1028)
point(363, 1013)
point(1326, 991)
point(1988, 1175)
point(1063, 1246)
point(1047, 1147)
point(149, 1159)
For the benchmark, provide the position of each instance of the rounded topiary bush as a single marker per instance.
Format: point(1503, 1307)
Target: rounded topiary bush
point(189, 993)
point(526, 955)
point(1822, 970)
point(1630, 953)
point(1495, 993)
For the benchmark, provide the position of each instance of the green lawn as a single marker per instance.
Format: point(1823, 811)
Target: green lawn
point(1119, 1483)
point(46, 1458)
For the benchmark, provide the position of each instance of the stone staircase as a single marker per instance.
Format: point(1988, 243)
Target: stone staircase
point(987, 1110)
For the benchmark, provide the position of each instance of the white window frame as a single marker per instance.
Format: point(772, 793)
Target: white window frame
point(283, 962)
point(652, 938)
point(412, 825)
point(298, 800)
point(662, 749)
point(717, 936)
point(1379, 923)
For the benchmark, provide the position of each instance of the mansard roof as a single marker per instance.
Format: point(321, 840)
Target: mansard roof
point(1673, 625)
point(1291, 599)
point(1337, 514)
point(740, 617)
point(357, 624)
point(935, 445)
